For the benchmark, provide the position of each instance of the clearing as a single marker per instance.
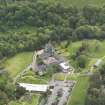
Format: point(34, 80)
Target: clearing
point(17, 63)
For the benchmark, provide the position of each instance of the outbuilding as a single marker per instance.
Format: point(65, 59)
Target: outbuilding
point(98, 62)
point(35, 87)
point(64, 66)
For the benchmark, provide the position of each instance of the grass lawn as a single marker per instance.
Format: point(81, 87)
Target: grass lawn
point(61, 77)
point(79, 92)
point(77, 3)
point(71, 49)
point(33, 80)
point(17, 63)
point(96, 50)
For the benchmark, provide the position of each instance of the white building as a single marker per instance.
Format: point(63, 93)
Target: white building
point(34, 87)
point(64, 66)
point(98, 62)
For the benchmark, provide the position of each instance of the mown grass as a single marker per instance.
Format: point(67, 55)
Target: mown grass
point(17, 63)
point(77, 3)
point(79, 92)
point(70, 50)
point(33, 80)
point(96, 48)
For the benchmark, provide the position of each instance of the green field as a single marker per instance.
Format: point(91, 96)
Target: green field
point(79, 92)
point(30, 77)
point(73, 47)
point(17, 63)
point(77, 3)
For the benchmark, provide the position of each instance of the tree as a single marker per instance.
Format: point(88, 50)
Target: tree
point(102, 70)
point(91, 13)
point(4, 2)
point(86, 32)
point(82, 61)
point(20, 91)
point(3, 98)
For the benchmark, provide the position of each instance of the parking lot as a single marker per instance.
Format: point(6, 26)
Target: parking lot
point(60, 93)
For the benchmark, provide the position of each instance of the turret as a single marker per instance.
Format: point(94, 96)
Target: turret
point(34, 63)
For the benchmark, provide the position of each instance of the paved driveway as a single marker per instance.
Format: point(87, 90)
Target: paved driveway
point(60, 93)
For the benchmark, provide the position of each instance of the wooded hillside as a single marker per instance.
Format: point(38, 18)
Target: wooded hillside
point(49, 22)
